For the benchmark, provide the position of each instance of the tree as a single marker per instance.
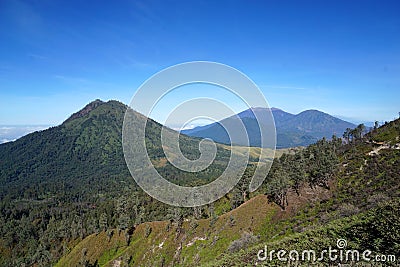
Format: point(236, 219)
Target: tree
point(278, 186)
point(103, 222)
point(297, 171)
point(243, 184)
point(42, 256)
point(336, 142)
point(360, 130)
point(212, 215)
point(197, 212)
point(123, 221)
point(84, 260)
point(357, 133)
point(322, 159)
point(178, 219)
point(353, 135)
point(141, 215)
point(376, 125)
point(236, 198)
point(147, 230)
point(347, 134)
point(123, 217)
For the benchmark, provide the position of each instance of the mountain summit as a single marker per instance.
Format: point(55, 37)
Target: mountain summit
point(85, 151)
point(292, 129)
point(88, 108)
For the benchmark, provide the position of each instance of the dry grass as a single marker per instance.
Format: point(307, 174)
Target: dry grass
point(181, 248)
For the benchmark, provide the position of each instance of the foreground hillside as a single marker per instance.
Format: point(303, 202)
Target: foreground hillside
point(183, 241)
point(351, 193)
point(364, 208)
point(64, 183)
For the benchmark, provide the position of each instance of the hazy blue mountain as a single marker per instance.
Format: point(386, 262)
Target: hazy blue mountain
point(292, 129)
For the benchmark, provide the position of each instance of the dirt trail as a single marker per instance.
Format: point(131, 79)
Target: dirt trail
point(383, 146)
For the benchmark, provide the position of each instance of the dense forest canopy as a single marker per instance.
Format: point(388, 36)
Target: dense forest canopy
point(65, 183)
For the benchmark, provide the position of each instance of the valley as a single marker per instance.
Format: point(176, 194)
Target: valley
point(72, 202)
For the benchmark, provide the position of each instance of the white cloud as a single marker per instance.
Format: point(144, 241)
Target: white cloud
point(186, 127)
point(11, 133)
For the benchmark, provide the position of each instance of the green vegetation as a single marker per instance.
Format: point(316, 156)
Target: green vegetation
point(388, 133)
point(315, 196)
point(67, 182)
point(67, 198)
point(366, 231)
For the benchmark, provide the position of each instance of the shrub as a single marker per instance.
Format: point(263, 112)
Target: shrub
point(147, 231)
point(243, 242)
point(347, 209)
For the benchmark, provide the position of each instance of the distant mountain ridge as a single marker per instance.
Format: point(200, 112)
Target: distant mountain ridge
point(292, 129)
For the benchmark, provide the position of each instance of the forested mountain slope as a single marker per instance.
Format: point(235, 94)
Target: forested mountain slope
point(310, 199)
point(69, 181)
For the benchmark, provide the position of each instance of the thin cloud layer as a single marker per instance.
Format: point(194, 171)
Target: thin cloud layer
point(11, 133)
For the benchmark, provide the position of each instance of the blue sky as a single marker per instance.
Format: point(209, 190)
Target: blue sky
point(341, 57)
